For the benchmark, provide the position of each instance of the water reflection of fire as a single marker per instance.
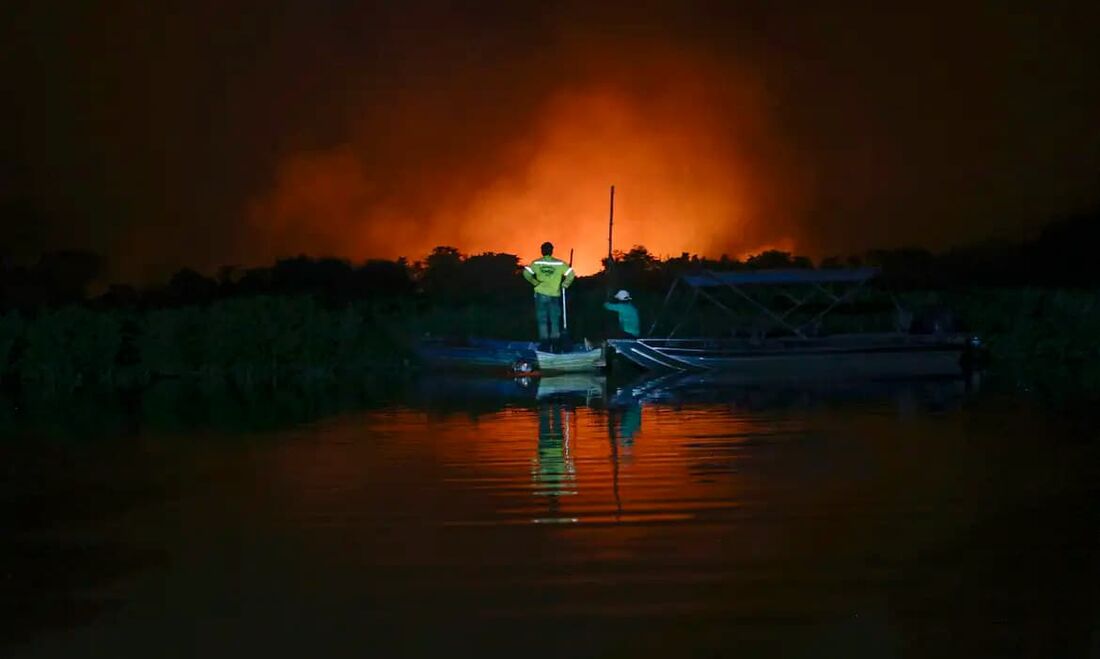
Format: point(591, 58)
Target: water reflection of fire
point(558, 463)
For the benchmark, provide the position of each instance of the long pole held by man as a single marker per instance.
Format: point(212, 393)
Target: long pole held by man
point(564, 308)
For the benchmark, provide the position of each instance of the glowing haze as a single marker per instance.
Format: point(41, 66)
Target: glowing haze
point(216, 132)
point(685, 150)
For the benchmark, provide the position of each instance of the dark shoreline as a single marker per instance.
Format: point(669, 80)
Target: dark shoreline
point(1037, 339)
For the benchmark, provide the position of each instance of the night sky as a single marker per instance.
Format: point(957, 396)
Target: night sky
point(202, 133)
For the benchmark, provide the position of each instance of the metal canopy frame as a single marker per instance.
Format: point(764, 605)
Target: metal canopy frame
point(813, 280)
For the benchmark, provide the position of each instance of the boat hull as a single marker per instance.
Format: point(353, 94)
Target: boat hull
point(570, 362)
point(505, 355)
point(836, 358)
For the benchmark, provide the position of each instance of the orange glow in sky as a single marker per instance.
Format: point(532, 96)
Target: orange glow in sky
point(695, 165)
point(675, 189)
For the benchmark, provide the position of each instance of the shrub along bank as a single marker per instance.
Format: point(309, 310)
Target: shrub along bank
point(1035, 337)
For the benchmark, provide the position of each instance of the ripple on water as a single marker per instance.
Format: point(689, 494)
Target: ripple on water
point(647, 527)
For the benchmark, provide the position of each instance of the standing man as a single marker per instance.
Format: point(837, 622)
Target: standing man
point(549, 275)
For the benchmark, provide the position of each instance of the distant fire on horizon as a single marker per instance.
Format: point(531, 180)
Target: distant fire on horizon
point(208, 134)
point(686, 162)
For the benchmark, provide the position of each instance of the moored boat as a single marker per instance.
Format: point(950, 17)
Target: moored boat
point(841, 356)
point(790, 348)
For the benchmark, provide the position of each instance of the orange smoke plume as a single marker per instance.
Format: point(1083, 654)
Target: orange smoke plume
point(696, 166)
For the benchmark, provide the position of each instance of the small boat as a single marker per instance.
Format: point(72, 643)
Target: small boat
point(579, 361)
point(790, 349)
point(521, 357)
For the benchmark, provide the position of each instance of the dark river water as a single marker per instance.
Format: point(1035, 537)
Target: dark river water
point(560, 518)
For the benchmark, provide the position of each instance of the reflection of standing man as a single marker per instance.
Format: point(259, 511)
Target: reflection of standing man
point(554, 473)
point(549, 275)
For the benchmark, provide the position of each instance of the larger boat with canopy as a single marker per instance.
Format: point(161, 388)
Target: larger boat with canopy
point(776, 324)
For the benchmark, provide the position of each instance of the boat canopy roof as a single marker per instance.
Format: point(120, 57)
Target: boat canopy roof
point(709, 278)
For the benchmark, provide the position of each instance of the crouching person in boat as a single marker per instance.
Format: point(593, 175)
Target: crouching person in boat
point(629, 323)
point(549, 275)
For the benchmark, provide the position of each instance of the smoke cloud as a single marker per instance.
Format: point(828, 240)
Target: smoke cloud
point(696, 164)
point(212, 132)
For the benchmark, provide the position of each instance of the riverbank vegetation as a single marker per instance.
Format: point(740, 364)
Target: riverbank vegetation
point(323, 320)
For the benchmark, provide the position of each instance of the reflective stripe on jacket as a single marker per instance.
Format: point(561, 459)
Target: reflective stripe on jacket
point(549, 275)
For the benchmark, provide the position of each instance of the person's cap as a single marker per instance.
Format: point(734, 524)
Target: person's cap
point(622, 295)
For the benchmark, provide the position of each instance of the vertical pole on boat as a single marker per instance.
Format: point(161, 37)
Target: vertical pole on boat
point(609, 285)
point(610, 227)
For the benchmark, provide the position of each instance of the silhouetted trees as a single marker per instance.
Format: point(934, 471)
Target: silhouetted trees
point(1061, 256)
point(331, 281)
point(189, 287)
point(447, 275)
point(306, 317)
point(381, 278)
point(57, 278)
point(773, 259)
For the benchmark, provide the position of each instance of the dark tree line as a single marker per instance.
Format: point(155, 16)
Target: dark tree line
point(58, 278)
point(1063, 255)
point(309, 320)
